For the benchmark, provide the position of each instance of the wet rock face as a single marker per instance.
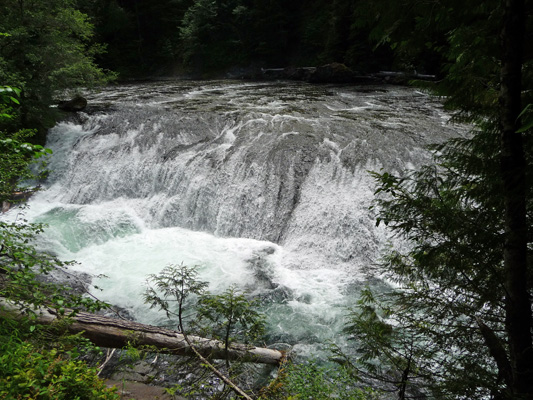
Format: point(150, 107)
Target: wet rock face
point(78, 103)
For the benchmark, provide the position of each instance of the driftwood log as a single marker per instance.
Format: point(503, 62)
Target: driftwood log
point(117, 333)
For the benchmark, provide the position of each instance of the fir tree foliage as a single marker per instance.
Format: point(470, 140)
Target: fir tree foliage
point(170, 289)
point(432, 333)
point(463, 297)
point(179, 292)
point(231, 315)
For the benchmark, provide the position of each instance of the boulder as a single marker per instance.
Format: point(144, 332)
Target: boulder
point(290, 73)
point(299, 74)
point(78, 103)
point(332, 73)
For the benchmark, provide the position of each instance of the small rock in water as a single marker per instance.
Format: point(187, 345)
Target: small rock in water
point(78, 103)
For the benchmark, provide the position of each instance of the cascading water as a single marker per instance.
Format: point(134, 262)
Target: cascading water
point(262, 185)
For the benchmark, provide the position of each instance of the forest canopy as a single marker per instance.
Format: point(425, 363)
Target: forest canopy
point(208, 35)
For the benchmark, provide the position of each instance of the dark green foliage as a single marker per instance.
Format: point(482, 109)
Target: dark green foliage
point(45, 47)
point(17, 153)
point(454, 321)
point(31, 371)
point(433, 333)
point(456, 42)
point(36, 362)
point(385, 354)
point(198, 29)
point(213, 36)
point(142, 37)
point(232, 316)
point(8, 97)
point(311, 380)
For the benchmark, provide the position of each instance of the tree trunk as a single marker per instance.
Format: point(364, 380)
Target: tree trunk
point(513, 172)
point(117, 333)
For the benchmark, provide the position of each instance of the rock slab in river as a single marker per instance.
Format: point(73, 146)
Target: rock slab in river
point(78, 103)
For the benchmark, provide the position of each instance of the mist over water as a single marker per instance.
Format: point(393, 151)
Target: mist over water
point(262, 185)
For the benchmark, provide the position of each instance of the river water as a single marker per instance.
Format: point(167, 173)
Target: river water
point(261, 185)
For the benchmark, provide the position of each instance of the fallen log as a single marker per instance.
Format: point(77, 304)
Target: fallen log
point(404, 75)
point(117, 333)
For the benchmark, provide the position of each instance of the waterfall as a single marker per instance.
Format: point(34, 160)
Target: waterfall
point(263, 185)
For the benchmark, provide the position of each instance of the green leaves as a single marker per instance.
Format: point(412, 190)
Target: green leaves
point(232, 315)
point(527, 119)
point(169, 289)
point(7, 94)
point(31, 372)
point(43, 58)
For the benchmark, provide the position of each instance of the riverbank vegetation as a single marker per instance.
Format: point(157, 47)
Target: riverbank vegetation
point(460, 323)
point(37, 362)
point(46, 47)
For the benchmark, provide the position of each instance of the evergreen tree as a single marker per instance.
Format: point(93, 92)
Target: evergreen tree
point(464, 303)
point(518, 367)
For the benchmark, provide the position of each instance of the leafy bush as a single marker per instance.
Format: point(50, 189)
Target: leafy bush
point(30, 372)
point(310, 380)
point(232, 316)
point(35, 363)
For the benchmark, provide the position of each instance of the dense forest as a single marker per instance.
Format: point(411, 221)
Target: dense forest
point(220, 36)
point(143, 38)
point(460, 325)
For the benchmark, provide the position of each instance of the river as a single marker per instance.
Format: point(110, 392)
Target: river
point(263, 185)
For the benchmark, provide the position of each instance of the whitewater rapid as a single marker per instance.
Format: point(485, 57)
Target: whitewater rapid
point(265, 186)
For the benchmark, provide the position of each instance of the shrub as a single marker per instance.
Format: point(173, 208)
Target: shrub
point(30, 372)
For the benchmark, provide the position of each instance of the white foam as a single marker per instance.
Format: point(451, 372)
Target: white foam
point(132, 193)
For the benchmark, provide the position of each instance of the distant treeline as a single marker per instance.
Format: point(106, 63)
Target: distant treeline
point(146, 37)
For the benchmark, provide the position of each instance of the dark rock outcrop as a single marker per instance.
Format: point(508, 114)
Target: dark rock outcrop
point(329, 73)
point(78, 103)
point(290, 73)
point(17, 197)
point(332, 73)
